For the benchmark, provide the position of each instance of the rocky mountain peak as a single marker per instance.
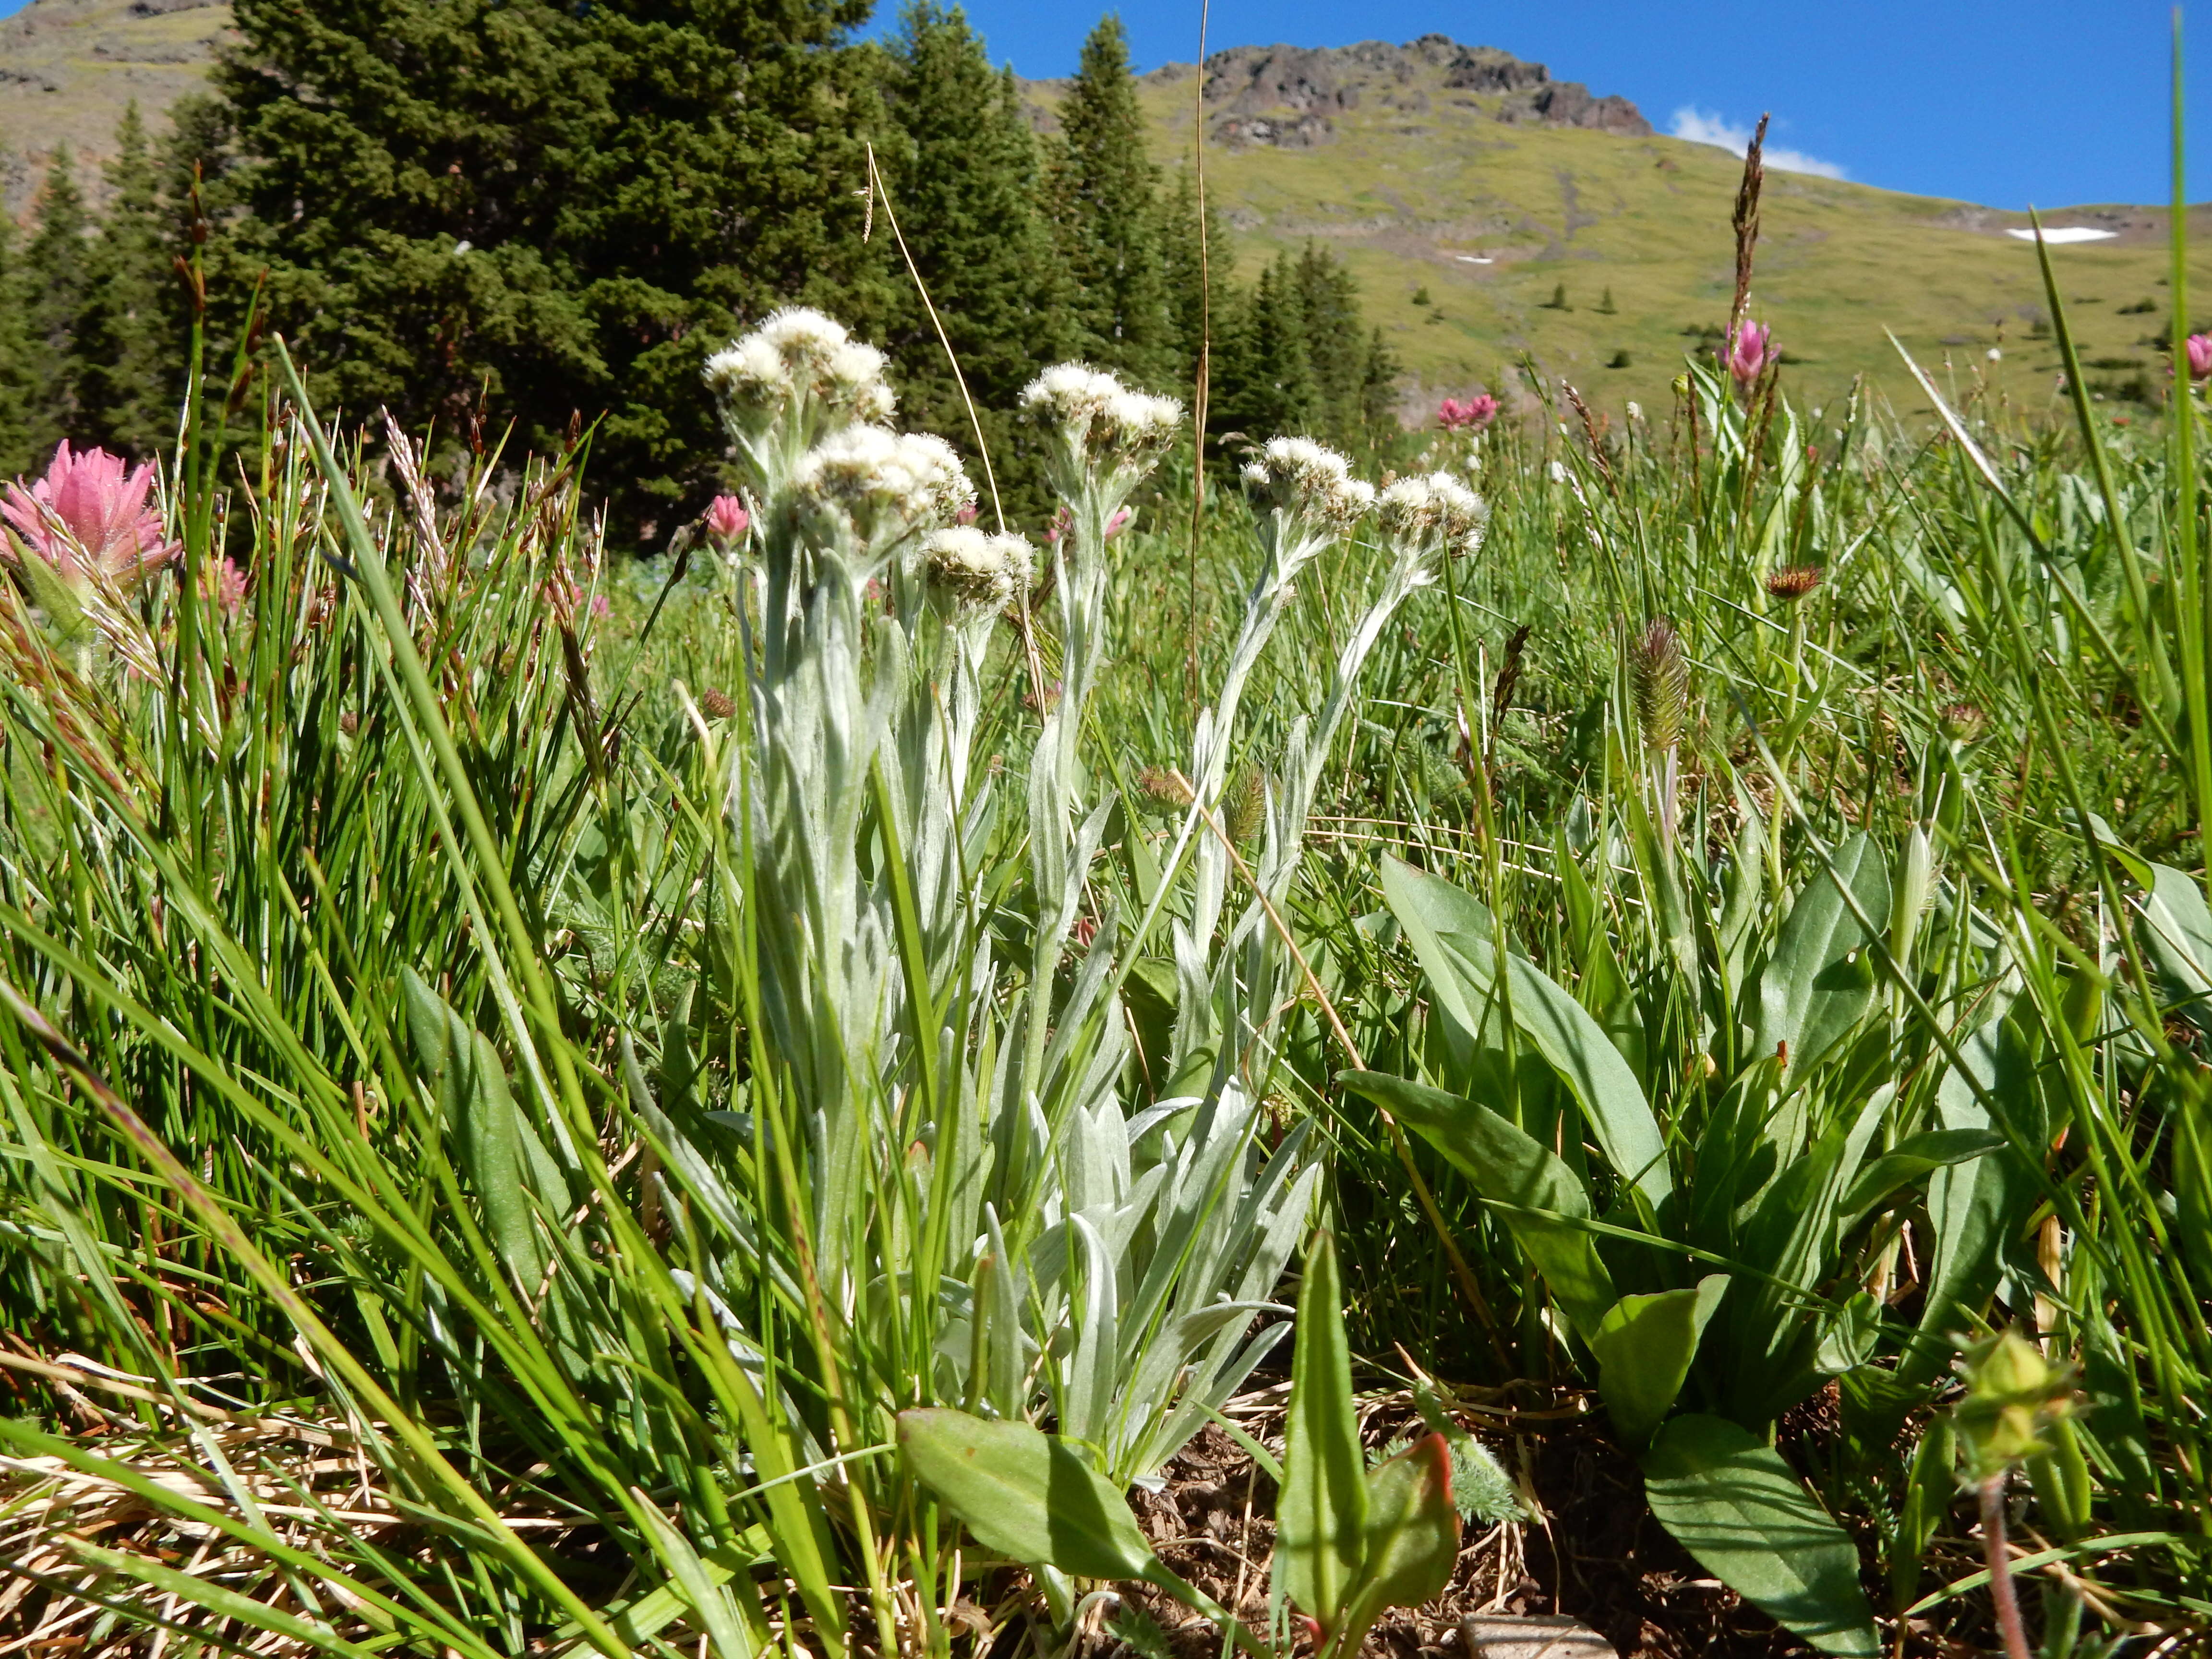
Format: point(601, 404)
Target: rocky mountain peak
point(1290, 96)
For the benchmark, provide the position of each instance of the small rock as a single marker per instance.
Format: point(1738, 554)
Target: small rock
point(1533, 1636)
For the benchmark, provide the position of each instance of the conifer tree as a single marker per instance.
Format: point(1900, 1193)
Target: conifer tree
point(1263, 372)
point(1329, 308)
point(128, 351)
point(1378, 394)
point(18, 446)
point(1297, 356)
point(57, 266)
point(553, 207)
point(1107, 201)
point(970, 209)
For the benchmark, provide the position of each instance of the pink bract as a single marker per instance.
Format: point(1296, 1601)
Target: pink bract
point(2199, 356)
point(1476, 412)
point(1747, 355)
point(726, 520)
point(89, 509)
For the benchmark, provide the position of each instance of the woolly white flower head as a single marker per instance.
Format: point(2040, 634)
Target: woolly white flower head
point(749, 371)
point(798, 349)
point(1070, 395)
point(852, 379)
point(1302, 476)
point(1139, 426)
point(1435, 509)
point(1099, 419)
point(883, 480)
point(976, 568)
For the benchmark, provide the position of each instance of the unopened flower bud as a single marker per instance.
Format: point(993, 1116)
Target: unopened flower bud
point(727, 519)
point(1163, 786)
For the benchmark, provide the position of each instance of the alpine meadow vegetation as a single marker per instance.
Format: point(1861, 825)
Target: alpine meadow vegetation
point(984, 1045)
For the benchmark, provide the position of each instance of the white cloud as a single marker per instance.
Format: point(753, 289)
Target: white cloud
point(1702, 127)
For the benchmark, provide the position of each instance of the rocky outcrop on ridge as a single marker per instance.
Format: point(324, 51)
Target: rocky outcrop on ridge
point(1290, 97)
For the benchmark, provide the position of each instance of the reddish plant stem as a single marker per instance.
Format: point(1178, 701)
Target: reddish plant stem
point(2000, 1591)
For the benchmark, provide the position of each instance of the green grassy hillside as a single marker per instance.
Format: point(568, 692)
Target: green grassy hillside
point(68, 69)
point(1416, 181)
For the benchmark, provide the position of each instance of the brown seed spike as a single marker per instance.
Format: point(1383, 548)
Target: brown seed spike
point(716, 703)
point(1794, 581)
point(1963, 722)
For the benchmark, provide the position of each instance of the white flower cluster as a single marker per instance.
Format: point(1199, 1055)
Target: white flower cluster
point(1437, 508)
point(976, 568)
point(1097, 413)
point(884, 481)
point(798, 351)
point(1311, 480)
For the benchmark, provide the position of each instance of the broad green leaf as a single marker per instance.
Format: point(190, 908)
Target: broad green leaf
point(1451, 932)
point(1914, 1156)
point(1818, 982)
point(1729, 1499)
point(1322, 1516)
point(1025, 1494)
point(505, 1161)
point(1644, 1344)
point(1512, 1169)
point(1412, 1537)
point(1975, 1206)
point(2178, 932)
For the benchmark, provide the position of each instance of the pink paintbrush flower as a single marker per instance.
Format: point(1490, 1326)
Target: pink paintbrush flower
point(1749, 352)
point(227, 582)
point(1473, 413)
point(727, 519)
point(88, 512)
point(2199, 356)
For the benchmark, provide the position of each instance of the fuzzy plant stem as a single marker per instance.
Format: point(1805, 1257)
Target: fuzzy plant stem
point(2000, 1591)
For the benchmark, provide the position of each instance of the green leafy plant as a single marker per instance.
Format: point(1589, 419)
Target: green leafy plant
point(1351, 1541)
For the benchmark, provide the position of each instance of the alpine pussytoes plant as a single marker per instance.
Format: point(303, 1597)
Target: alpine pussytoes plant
point(965, 1202)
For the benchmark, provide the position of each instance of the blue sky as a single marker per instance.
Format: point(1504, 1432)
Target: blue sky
point(2050, 101)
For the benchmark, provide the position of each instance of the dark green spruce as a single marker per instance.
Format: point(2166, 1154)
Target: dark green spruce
point(968, 199)
point(1106, 199)
point(57, 267)
point(545, 212)
point(128, 352)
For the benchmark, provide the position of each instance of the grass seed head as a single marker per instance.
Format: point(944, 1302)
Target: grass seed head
point(715, 703)
point(1659, 679)
point(1164, 786)
point(1247, 805)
